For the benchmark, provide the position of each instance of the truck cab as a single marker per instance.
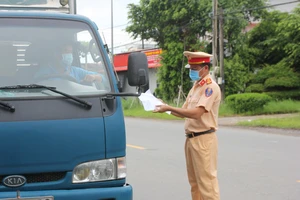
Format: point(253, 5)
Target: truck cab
point(62, 131)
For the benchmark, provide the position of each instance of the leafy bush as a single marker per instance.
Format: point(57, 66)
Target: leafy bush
point(283, 95)
point(236, 75)
point(277, 77)
point(246, 102)
point(282, 82)
point(130, 103)
point(255, 88)
point(261, 75)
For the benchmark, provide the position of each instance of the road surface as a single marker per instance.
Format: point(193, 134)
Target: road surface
point(252, 165)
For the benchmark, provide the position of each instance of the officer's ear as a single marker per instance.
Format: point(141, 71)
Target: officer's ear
point(208, 65)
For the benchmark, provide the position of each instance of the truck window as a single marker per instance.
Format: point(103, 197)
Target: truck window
point(50, 52)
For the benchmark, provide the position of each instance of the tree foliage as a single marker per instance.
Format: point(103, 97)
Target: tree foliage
point(237, 15)
point(178, 25)
point(236, 76)
point(275, 51)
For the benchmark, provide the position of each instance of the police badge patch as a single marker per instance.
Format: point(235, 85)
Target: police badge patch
point(208, 92)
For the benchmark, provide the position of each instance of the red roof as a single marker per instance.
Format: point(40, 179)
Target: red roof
point(153, 56)
point(250, 26)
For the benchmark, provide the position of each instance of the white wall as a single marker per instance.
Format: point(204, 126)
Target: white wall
point(128, 88)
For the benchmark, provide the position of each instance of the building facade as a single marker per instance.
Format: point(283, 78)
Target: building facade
point(120, 65)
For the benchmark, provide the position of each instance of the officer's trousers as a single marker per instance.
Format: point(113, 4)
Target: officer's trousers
point(201, 162)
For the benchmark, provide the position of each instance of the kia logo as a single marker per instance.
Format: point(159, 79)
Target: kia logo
point(14, 181)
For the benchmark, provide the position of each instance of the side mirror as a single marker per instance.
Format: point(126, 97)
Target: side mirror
point(138, 72)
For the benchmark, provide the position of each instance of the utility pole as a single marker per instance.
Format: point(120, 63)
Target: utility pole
point(221, 52)
point(215, 33)
point(112, 31)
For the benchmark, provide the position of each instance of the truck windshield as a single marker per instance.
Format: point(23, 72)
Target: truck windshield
point(56, 53)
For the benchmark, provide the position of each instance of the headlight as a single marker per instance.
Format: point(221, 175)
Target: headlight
point(100, 170)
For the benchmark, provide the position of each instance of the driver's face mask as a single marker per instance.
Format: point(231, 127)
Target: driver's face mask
point(67, 59)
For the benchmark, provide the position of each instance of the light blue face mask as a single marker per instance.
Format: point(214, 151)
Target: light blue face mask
point(67, 59)
point(194, 74)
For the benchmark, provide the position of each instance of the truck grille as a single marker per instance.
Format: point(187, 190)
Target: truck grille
point(40, 178)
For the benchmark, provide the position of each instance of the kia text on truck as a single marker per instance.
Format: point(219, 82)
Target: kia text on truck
point(62, 133)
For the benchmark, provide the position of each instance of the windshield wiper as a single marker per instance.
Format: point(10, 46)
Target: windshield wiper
point(112, 94)
point(86, 104)
point(26, 87)
point(7, 106)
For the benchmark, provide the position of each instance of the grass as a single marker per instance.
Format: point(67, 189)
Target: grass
point(133, 108)
point(273, 107)
point(287, 106)
point(288, 122)
point(225, 111)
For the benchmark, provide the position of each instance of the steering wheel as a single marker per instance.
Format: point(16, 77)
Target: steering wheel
point(93, 50)
point(56, 76)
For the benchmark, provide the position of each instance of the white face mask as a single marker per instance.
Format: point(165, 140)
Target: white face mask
point(67, 59)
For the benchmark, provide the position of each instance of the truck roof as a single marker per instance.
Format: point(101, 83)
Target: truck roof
point(46, 15)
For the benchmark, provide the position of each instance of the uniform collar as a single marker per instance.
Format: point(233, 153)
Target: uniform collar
point(206, 80)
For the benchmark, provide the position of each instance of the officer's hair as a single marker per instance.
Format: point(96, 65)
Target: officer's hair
point(204, 64)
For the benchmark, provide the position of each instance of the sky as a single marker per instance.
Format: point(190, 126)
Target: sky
point(100, 12)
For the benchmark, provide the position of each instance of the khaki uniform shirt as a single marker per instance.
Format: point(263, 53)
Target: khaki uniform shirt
point(205, 93)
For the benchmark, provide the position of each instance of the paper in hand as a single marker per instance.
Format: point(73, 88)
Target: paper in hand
point(149, 101)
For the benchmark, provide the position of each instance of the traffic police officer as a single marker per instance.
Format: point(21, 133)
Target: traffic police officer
point(200, 111)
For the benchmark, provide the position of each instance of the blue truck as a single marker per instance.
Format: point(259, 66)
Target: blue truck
point(62, 130)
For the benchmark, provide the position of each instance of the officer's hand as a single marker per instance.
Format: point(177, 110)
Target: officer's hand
point(161, 108)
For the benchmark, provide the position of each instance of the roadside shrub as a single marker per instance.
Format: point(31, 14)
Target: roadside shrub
point(284, 95)
point(130, 103)
point(255, 88)
point(277, 83)
point(235, 84)
point(247, 102)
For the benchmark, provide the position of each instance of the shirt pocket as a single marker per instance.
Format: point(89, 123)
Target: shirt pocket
point(193, 101)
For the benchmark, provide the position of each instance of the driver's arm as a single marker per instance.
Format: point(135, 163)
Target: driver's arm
point(85, 75)
point(43, 72)
point(93, 77)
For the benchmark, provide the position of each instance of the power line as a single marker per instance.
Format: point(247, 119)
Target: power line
point(260, 8)
point(122, 45)
point(236, 11)
point(113, 27)
point(225, 13)
point(184, 24)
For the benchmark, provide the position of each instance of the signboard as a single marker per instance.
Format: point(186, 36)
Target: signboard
point(153, 56)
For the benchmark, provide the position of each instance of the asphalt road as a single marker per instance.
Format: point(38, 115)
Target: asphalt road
point(252, 165)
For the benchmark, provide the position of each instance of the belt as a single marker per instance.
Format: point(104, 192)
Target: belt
point(191, 135)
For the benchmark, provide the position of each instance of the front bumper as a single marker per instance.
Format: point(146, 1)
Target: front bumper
point(111, 193)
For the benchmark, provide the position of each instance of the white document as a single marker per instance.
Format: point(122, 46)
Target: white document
point(149, 101)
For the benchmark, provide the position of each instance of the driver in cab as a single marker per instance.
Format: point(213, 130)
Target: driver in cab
point(62, 67)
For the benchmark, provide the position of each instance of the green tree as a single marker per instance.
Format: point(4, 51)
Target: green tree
point(289, 38)
point(237, 83)
point(177, 25)
point(274, 45)
point(263, 41)
point(237, 15)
